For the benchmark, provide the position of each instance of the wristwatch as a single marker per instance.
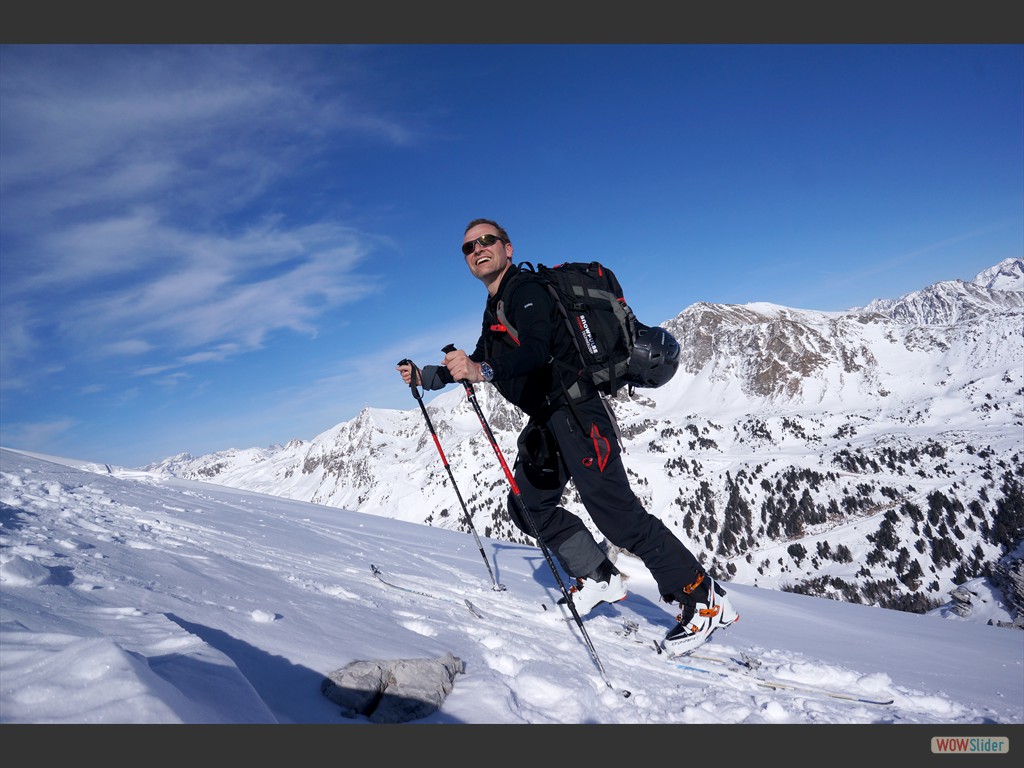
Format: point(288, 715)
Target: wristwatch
point(486, 371)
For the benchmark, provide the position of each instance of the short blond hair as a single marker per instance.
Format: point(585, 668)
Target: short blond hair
point(501, 230)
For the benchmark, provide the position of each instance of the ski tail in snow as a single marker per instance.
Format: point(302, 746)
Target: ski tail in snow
point(388, 582)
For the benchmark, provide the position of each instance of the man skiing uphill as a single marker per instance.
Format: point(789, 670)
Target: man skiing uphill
point(565, 441)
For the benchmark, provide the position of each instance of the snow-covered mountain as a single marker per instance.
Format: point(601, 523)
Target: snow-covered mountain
point(872, 455)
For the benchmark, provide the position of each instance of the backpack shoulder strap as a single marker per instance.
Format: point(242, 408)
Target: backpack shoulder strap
point(503, 326)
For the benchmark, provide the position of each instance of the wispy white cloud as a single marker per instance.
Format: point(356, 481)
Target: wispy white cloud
point(127, 347)
point(173, 380)
point(193, 290)
point(122, 169)
point(35, 434)
point(91, 125)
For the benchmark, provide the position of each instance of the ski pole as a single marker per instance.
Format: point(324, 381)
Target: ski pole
point(444, 460)
point(533, 525)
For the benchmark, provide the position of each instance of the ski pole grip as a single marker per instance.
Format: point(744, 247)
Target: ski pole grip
point(451, 348)
point(412, 379)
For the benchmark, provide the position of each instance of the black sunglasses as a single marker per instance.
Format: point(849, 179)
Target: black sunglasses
point(484, 240)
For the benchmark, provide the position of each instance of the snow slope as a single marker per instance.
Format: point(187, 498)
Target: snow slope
point(134, 597)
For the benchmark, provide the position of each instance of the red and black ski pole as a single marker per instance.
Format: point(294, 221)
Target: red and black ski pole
point(444, 460)
point(533, 525)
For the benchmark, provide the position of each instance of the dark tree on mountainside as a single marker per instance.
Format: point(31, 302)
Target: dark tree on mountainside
point(1008, 520)
point(736, 521)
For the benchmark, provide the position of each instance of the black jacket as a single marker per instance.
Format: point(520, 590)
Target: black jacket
point(525, 371)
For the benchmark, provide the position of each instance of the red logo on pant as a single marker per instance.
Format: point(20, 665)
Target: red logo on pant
point(600, 442)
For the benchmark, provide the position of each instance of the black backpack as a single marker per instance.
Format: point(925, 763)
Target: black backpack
point(602, 325)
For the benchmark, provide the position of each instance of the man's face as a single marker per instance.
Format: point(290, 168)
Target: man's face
point(486, 262)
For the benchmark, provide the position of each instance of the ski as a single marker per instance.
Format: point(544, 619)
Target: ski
point(380, 577)
point(747, 669)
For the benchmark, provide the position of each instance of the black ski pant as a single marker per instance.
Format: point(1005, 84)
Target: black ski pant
point(588, 453)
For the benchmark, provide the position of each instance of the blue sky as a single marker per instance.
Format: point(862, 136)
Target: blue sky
point(212, 247)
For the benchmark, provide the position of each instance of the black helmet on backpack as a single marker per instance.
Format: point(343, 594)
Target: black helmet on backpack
point(655, 358)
